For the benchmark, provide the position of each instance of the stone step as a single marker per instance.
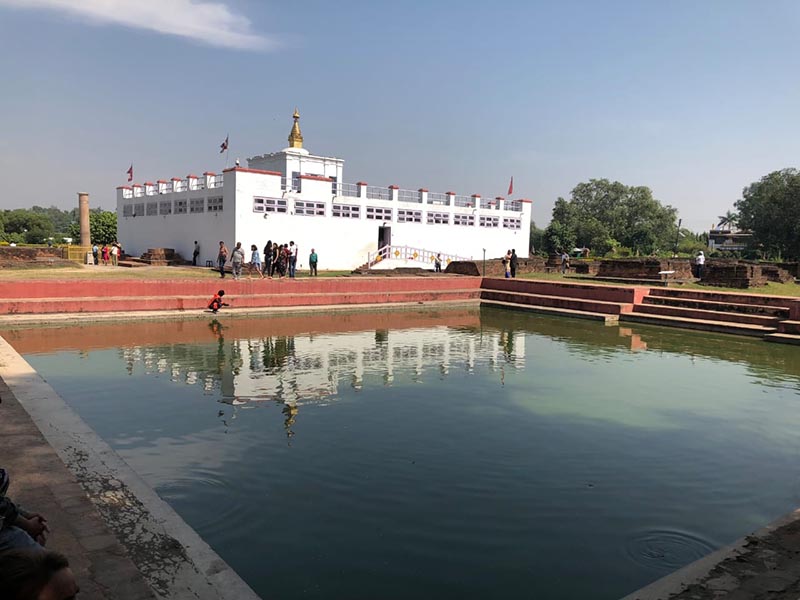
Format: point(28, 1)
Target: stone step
point(583, 290)
point(700, 324)
point(791, 327)
point(576, 304)
point(184, 302)
point(716, 305)
point(608, 319)
point(783, 338)
point(720, 296)
point(709, 315)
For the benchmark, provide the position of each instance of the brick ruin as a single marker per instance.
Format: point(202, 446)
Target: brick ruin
point(678, 269)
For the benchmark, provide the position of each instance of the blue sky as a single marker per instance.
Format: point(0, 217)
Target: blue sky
point(693, 99)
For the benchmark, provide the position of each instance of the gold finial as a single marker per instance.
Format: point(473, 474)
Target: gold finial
point(295, 137)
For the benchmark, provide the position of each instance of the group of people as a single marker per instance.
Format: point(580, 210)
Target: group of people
point(280, 259)
point(510, 262)
point(27, 570)
point(107, 253)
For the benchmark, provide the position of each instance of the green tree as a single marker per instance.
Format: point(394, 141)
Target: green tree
point(770, 209)
point(728, 220)
point(25, 225)
point(536, 240)
point(102, 227)
point(602, 215)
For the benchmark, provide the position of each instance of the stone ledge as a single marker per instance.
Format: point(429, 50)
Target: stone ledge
point(174, 560)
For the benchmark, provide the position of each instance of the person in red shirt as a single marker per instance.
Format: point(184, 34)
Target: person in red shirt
point(216, 302)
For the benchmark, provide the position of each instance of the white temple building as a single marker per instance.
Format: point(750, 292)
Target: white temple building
point(293, 195)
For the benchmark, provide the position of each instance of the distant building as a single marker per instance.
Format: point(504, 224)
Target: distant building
point(295, 195)
point(731, 240)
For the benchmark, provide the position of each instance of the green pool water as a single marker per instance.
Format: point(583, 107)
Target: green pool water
point(499, 455)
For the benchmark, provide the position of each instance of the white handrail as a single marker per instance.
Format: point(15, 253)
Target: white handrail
point(422, 255)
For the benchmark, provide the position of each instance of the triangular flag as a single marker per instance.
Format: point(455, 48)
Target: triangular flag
point(130, 173)
point(511, 186)
point(224, 145)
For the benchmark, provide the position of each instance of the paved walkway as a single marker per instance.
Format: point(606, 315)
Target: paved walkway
point(41, 482)
point(106, 519)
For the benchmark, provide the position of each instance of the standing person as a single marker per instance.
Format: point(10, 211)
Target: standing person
point(437, 263)
point(255, 262)
point(195, 253)
point(700, 261)
point(95, 252)
point(293, 250)
point(114, 254)
point(222, 258)
point(312, 263)
point(237, 260)
point(105, 254)
point(282, 260)
point(514, 262)
point(564, 262)
point(507, 264)
point(273, 260)
point(268, 258)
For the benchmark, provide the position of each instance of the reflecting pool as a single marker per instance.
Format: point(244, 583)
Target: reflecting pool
point(457, 453)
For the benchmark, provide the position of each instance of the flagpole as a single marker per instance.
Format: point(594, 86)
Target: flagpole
point(227, 145)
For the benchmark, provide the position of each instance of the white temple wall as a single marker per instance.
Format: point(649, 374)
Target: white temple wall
point(290, 161)
point(343, 243)
point(178, 231)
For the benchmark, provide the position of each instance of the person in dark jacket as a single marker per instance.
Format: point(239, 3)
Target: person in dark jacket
point(514, 263)
point(19, 529)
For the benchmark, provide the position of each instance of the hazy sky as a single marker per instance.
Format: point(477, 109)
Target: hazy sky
point(693, 99)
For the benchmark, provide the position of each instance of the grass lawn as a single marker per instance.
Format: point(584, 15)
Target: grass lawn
point(87, 272)
point(771, 289)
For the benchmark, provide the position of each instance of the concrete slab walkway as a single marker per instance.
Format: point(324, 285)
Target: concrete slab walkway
point(42, 483)
point(124, 541)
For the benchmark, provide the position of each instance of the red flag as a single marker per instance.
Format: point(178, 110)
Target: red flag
point(224, 145)
point(511, 187)
point(130, 173)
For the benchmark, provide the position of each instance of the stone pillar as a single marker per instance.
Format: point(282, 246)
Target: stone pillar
point(83, 210)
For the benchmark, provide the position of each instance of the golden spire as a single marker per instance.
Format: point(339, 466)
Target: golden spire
point(295, 137)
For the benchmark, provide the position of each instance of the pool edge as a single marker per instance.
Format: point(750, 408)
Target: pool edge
point(730, 568)
point(146, 526)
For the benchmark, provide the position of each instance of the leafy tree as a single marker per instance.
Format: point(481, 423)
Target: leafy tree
point(728, 220)
point(28, 226)
point(770, 209)
point(603, 215)
point(61, 219)
point(536, 241)
point(102, 227)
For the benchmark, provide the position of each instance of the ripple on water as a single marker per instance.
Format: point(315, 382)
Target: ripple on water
point(228, 514)
point(666, 549)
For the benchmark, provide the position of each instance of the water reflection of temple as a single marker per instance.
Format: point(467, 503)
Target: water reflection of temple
point(301, 369)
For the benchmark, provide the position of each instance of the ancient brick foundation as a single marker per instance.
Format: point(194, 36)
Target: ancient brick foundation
point(162, 257)
point(646, 268)
point(15, 256)
point(733, 274)
point(495, 268)
point(586, 267)
point(777, 274)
